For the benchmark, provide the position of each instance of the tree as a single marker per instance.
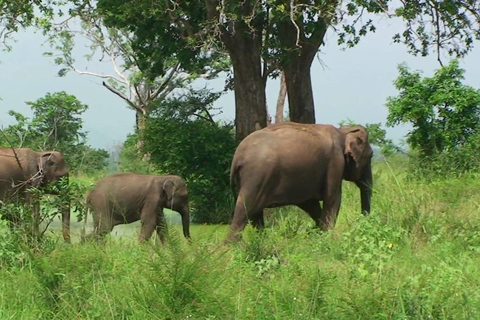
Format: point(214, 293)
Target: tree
point(56, 125)
point(15, 15)
point(183, 139)
point(281, 99)
point(141, 85)
point(444, 112)
point(131, 80)
point(262, 36)
point(57, 120)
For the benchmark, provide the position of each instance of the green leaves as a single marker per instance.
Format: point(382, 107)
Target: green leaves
point(444, 113)
point(444, 25)
point(56, 125)
point(183, 139)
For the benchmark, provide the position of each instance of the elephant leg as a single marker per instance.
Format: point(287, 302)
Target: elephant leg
point(331, 207)
point(148, 217)
point(257, 220)
point(314, 210)
point(161, 228)
point(102, 224)
point(241, 217)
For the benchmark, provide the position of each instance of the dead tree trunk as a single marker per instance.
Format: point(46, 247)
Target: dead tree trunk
point(281, 99)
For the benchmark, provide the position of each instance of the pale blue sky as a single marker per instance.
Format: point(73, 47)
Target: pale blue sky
point(353, 84)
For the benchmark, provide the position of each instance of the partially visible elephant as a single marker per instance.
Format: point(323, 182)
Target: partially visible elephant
point(128, 197)
point(24, 168)
point(299, 164)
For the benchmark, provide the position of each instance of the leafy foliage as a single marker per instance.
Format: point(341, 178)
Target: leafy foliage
point(183, 139)
point(15, 15)
point(415, 257)
point(56, 125)
point(444, 113)
point(156, 39)
point(131, 158)
point(21, 232)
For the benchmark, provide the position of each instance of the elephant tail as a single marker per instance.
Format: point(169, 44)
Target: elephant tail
point(234, 178)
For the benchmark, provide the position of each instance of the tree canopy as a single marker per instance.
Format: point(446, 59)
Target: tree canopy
point(56, 125)
point(443, 111)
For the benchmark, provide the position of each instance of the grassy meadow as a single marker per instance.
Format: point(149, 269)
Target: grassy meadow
point(417, 256)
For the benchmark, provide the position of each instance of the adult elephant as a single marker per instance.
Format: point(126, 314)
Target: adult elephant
point(24, 168)
point(128, 197)
point(299, 164)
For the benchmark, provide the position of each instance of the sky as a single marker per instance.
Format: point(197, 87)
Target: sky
point(347, 84)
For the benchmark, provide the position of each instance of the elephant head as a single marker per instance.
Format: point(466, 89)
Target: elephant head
point(176, 198)
point(358, 156)
point(50, 167)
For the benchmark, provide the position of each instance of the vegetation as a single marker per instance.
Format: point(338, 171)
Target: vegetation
point(444, 114)
point(260, 38)
point(415, 257)
point(56, 125)
point(182, 138)
point(263, 37)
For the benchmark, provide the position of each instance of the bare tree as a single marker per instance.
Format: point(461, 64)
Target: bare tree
point(281, 99)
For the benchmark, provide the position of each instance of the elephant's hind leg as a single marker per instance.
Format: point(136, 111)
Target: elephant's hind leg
point(242, 214)
point(102, 224)
point(257, 219)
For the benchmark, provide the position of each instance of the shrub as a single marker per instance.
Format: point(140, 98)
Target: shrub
point(182, 139)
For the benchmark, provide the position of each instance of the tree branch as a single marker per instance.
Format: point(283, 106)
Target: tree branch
point(165, 82)
point(123, 96)
point(13, 149)
point(98, 75)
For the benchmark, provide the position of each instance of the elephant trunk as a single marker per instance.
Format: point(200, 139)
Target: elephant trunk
point(365, 185)
point(186, 222)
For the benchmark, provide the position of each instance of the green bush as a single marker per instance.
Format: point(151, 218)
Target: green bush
point(200, 152)
point(131, 159)
point(181, 138)
point(445, 116)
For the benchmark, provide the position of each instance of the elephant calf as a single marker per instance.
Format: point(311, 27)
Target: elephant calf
point(128, 197)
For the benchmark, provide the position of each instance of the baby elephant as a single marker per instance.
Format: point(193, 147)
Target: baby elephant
point(128, 197)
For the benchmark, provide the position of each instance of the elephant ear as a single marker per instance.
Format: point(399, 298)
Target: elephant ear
point(42, 162)
point(169, 189)
point(355, 144)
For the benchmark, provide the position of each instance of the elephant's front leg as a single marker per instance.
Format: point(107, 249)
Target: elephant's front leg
point(148, 217)
point(331, 207)
point(162, 228)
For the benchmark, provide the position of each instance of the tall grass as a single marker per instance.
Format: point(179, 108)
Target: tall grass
point(415, 257)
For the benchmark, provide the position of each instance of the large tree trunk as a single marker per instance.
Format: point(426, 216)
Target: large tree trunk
point(281, 99)
point(299, 87)
point(140, 122)
point(250, 99)
point(300, 51)
point(244, 45)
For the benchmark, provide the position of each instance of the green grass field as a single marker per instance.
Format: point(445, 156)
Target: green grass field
point(416, 256)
